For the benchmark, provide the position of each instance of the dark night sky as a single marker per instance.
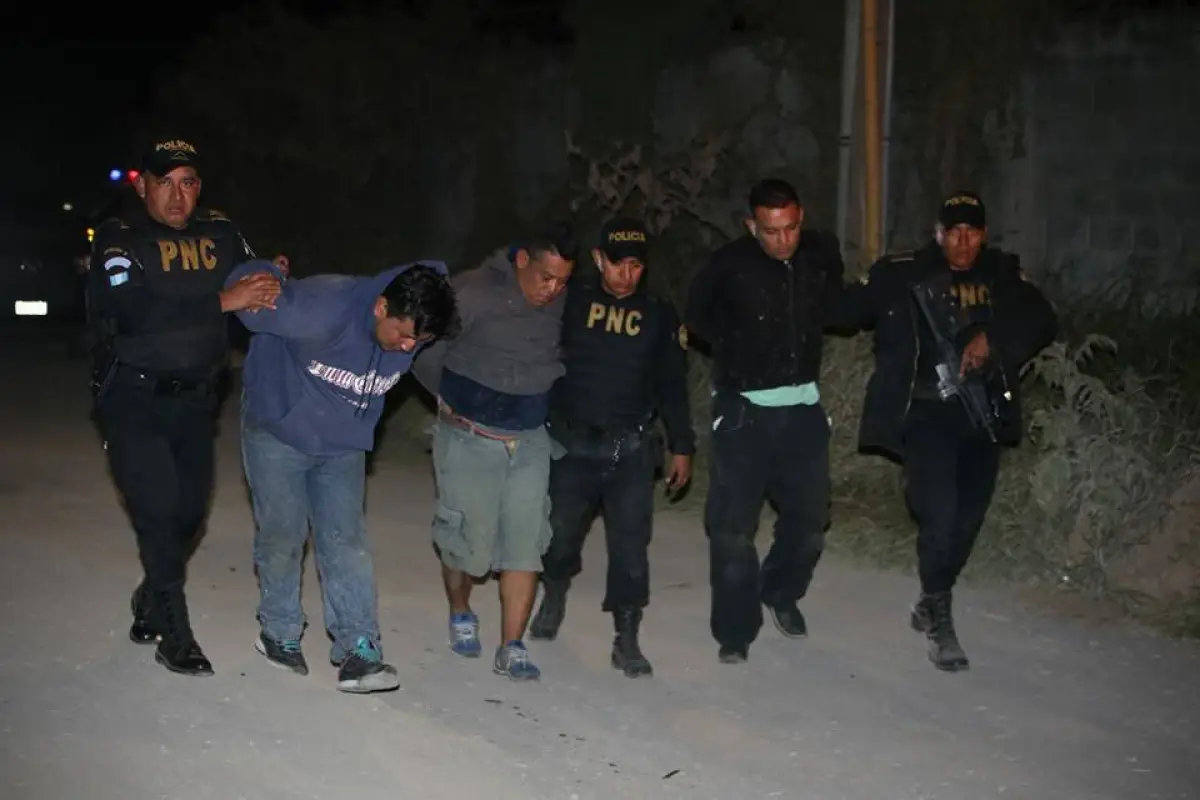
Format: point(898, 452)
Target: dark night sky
point(70, 76)
point(69, 79)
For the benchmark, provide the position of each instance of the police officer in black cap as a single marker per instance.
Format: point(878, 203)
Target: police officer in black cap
point(158, 310)
point(944, 403)
point(625, 357)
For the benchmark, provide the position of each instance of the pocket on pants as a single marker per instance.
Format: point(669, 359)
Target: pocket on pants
point(449, 532)
point(728, 412)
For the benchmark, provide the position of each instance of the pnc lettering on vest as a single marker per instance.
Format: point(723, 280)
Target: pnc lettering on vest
point(616, 320)
point(188, 254)
point(970, 295)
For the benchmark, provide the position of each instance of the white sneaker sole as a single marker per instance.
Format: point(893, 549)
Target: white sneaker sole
point(262, 651)
point(384, 681)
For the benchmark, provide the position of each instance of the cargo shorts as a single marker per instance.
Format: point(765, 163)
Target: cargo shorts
point(493, 501)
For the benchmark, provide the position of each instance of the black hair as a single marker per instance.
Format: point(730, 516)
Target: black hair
point(558, 238)
point(772, 193)
point(425, 296)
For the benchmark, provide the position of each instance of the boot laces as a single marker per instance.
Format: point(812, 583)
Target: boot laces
point(939, 614)
point(174, 611)
point(627, 623)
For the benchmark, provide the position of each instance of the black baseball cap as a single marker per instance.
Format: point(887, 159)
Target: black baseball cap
point(165, 155)
point(622, 238)
point(963, 208)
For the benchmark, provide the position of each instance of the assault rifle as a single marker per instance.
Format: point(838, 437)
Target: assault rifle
point(932, 298)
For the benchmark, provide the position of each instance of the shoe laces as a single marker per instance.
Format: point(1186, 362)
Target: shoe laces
point(515, 655)
point(939, 614)
point(365, 650)
point(174, 610)
point(290, 645)
point(465, 627)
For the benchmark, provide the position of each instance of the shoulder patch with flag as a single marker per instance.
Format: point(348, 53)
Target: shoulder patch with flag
point(117, 263)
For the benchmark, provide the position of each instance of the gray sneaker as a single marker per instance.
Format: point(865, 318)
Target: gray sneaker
point(513, 660)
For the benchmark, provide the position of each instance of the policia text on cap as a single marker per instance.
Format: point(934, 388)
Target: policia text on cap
point(626, 364)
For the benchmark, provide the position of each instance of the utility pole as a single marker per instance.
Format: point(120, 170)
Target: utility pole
point(846, 135)
point(873, 145)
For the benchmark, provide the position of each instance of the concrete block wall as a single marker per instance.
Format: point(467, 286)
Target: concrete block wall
point(1106, 205)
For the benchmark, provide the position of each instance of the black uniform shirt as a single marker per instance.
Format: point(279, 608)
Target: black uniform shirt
point(625, 359)
point(154, 291)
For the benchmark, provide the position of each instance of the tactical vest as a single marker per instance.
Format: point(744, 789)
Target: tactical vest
point(970, 297)
point(610, 348)
point(191, 264)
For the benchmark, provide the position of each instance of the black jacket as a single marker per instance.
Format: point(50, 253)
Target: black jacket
point(625, 360)
point(764, 318)
point(1022, 323)
point(154, 292)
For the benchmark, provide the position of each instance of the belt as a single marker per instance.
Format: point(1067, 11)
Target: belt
point(166, 386)
point(445, 414)
point(619, 430)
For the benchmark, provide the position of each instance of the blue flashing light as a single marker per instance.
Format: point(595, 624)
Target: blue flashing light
point(115, 175)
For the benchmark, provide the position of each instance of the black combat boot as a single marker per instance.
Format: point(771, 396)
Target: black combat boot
point(626, 654)
point(944, 650)
point(550, 614)
point(178, 650)
point(919, 616)
point(141, 632)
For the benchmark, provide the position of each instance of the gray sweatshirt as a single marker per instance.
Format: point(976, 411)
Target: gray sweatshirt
point(505, 343)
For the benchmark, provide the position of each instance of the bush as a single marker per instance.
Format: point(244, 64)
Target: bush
point(1102, 498)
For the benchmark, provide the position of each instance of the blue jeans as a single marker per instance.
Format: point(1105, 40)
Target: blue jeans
point(290, 490)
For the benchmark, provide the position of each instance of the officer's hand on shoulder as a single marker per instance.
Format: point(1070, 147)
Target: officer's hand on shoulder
point(252, 293)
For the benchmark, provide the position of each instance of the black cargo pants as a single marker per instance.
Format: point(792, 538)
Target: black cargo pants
point(780, 454)
point(160, 438)
point(950, 473)
point(613, 475)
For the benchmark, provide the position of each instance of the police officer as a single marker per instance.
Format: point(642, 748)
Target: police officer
point(625, 357)
point(950, 458)
point(158, 307)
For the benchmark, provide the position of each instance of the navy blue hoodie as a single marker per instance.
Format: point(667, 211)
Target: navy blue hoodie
point(316, 377)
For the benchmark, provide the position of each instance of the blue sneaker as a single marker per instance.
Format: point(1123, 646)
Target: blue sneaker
point(513, 660)
point(464, 634)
